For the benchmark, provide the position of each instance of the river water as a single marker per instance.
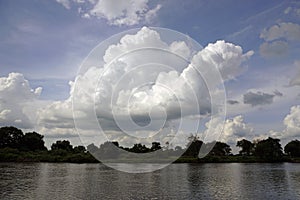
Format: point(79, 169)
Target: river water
point(177, 181)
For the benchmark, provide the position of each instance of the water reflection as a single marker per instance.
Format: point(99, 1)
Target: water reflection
point(214, 181)
point(177, 181)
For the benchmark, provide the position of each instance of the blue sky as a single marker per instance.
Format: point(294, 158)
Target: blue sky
point(46, 42)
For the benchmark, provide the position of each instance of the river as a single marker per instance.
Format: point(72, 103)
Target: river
point(177, 181)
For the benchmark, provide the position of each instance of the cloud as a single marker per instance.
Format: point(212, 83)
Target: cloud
point(232, 102)
point(230, 131)
point(292, 122)
point(226, 56)
point(278, 37)
point(273, 49)
point(284, 30)
point(151, 14)
point(68, 3)
point(292, 125)
point(65, 3)
point(296, 79)
point(62, 118)
point(277, 93)
point(128, 12)
point(16, 99)
point(124, 90)
point(287, 10)
point(258, 98)
point(294, 11)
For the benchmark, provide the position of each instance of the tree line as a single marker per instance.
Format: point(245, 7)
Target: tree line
point(17, 146)
point(20, 147)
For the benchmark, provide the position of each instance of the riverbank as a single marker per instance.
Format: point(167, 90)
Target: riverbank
point(235, 159)
point(13, 155)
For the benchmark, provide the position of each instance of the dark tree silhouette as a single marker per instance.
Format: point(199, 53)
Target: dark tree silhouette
point(155, 146)
point(13, 142)
point(62, 145)
point(246, 146)
point(139, 148)
point(293, 148)
point(269, 149)
point(178, 148)
point(115, 143)
point(92, 148)
point(10, 137)
point(220, 149)
point(33, 142)
point(108, 150)
point(193, 146)
point(79, 149)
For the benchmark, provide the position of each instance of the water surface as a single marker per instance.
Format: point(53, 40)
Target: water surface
point(177, 181)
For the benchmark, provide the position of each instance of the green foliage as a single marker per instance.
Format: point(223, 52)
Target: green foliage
point(10, 137)
point(220, 149)
point(139, 148)
point(62, 145)
point(155, 146)
point(92, 148)
point(32, 142)
point(193, 147)
point(293, 148)
point(108, 150)
point(8, 154)
point(17, 147)
point(246, 146)
point(269, 149)
point(79, 149)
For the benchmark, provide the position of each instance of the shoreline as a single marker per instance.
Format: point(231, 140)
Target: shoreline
point(88, 159)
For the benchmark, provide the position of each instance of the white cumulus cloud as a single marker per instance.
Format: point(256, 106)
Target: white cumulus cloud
point(285, 30)
point(230, 131)
point(16, 101)
point(278, 37)
point(125, 88)
point(227, 57)
point(125, 12)
point(291, 123)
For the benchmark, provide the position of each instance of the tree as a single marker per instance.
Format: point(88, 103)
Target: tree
point(167, 146)
point(115, 143)
point(178, 151)
point(79, 149)
point(33, 142)
point(139, 148)
point(178, 148)
point(247, 147)
point(10, 137)
point(193, 147)
point(293, 148)
point(269, 149)
point(220, 149)
point(92, 148)
point(62, 145)
point(109, 150)
point(155, 146)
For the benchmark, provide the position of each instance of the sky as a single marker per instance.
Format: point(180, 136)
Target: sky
point(54, 81)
